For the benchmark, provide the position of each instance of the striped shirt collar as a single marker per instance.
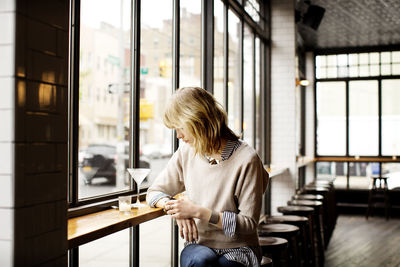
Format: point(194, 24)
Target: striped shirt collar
point(230, 147)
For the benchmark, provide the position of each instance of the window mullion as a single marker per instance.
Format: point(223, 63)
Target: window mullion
point(135, 107)
point(241, 37)
point(175, 85)
point(207, 45)
point(74, 103)
point(226, 59)
point(134, 251)
point(380, 117)
point(253, 43)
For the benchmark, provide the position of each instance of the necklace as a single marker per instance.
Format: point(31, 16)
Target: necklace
point(211, 160)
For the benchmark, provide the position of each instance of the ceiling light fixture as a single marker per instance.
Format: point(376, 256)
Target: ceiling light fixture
point(302, 82)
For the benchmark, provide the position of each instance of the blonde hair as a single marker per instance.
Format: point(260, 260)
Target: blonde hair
point(197, 111)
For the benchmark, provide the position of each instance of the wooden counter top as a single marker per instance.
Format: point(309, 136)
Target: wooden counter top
point(273, 172)
point(360, 159)
point(304, 161)
point(84, 229)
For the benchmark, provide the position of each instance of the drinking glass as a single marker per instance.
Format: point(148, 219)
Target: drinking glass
point(138, 175)
point(124, 204)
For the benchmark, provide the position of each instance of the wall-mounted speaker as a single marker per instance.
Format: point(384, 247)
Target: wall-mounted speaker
point(313, 16)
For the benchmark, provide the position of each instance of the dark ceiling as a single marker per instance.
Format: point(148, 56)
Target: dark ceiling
point(352, 23)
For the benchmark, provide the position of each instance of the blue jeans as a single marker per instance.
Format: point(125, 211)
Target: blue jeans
point(201, 256)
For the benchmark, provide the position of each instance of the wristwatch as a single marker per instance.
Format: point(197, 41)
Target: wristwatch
point(214, 217)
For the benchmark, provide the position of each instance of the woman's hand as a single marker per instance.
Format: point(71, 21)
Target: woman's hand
point(187, 229)
point(182, 209)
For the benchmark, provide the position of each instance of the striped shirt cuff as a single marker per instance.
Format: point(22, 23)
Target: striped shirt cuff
point(229, 223)
point(187, 243)
point(156, 198)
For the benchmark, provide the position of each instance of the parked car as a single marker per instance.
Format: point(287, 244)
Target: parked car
point(157, 151)
point(100, 161)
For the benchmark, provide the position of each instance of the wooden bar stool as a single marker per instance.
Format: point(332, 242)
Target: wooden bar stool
point(324, 210)
point(329, 195)
point(303, 243)
point(331, 212)
point(309, 197)
point(378, 195)
point(318, 225)
point(276, 249)
point(266, 262)
point(319, 210)
point(286, 231)
point(309, 213)
point(323, 183)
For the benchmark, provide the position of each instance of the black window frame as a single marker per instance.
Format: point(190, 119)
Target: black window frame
point(261, 30)
point(347, 79)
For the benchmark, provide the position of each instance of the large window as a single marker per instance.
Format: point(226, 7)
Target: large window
point(392, 171)
point(331, 118)
point(258, 102)
point(329, 170)
point(356, 109)
point(219, 51)
point(117, 106)
point(190, 43)
point(363, 118)
point(155, 86)
point(155, 139)
point(360, 174)
point(155, 242)
point(248, 86)
point(390, 117)
point(123, 70)
point(112, 250)
point(234, 73)
point(104, 97)
point(358, 65)
point(357, 113)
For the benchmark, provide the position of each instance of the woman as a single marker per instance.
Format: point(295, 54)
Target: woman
point(224, 180)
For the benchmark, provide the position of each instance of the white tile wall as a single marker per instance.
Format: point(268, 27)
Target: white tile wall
point(7, 60)
point(6, 252)
point(6, 224)
point(7, 191)
point(283, 109)
point(6, 92)
point(7, 30)
point(7, 125)
point(310, 105)
point(6, 158)
point(7, 27)
point(7, 5)
point(281, 190)
point(310, 140)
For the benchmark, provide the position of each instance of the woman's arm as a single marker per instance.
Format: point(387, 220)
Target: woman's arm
point(185, 208)
point(169, 182)
point(187, 226)
point(249, 193)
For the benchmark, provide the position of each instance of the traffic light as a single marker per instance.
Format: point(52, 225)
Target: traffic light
point(162, 69)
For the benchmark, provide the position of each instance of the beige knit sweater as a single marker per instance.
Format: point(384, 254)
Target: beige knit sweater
point(236, 184)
